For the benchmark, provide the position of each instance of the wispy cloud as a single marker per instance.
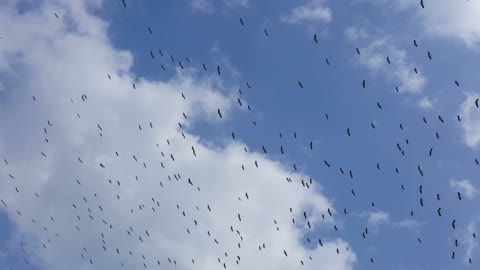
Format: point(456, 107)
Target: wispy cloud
point(375, 49)
point(313, 11)
point(427, 103)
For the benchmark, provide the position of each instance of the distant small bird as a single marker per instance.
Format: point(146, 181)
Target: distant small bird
point(358, 51)
point(363, 83)
point(218, 70)
point(415, 43)
point(421, 4)
point(56, 15)
point(315, 38)
point(457, 83)
point(150, 30)
point(241, 21)
point(429, 55)
point(266, 33)
point(300, 84)
point(476, 102)
point(219, 113)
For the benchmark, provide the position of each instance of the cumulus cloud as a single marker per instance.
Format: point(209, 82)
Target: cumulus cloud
point(470, 120)
point(465, 187)
point(374, 52)
point(152, 200)
point(313, 11)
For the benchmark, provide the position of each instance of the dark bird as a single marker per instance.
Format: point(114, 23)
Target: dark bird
point(266, 33)
point(420, 170)
point(204, 67)
point(415, 43)
point(388, 60)
point(441, 119)
point(219, 113)
point(348, 131)
point(124, 4)
point(150, 30)
point(300, 84)
point(218, 70)
point(430, 152)
point(326, 163)
point(241, 21)
point(457, 83)
point(458, 118)
point(284, 252)
point(363, 83)
point(439, 212)
point(315, 38)
point(358, 51)
point(459, 196)
point(378, 105)
point(421, 4)
point(429, 55)
point(476, 102)
point(453, 224)
point(56, 15)
point(193, 150)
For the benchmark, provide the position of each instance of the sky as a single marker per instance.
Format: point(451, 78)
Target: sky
point(239, 134)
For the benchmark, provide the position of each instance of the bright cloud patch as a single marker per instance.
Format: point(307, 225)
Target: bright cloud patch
point(106, 176)
point(470, 120)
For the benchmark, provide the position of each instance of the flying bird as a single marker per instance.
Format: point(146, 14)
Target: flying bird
point(315, 38)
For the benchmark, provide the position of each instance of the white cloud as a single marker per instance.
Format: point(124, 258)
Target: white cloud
point(470, 115)
point(377, 218)
point(465, 187)
point(313, 11)
point(57, 63)
point(449, 19)
point(374, 53)
point(472, 244)
point(202, 6)
point(427, 103)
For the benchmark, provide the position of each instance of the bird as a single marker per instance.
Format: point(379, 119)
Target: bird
point(241, 21)
point(421, 4)
point(441, 119)
point(358, 51)
point(453, 224)
point(265, 31)
point(388, 60)
point(150, 30)
point(300, 84)
point(348, 131)
point(459, 196)
point(430, 152)
point(56, 15)
point(218, 70)
point(219, 113)
point(315, 38)
point(415, 43)
point(429, 55)
point(439, 212)
point(457, 83)
point(363, 83)
point(476, 102)
point(193, 150)
point(124, 4)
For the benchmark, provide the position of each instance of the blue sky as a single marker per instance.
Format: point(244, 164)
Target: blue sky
point(57, 60)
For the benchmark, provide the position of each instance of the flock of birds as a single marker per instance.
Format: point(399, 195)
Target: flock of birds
point(241, 103)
